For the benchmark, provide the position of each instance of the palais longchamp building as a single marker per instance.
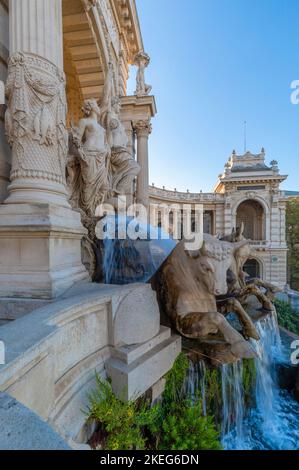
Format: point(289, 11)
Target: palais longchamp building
point(71, 138)
point(89, 37)
point(248, 191)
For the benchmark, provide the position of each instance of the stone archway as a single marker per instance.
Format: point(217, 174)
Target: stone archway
point(253, 268)
point(85, 61)
point(252, 214)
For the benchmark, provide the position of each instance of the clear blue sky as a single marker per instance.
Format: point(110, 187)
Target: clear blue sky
point(214, 64)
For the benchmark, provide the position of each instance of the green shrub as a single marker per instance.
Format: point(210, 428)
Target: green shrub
point(117, 421)
point(186, 429)
point(287, 317)
point(214, 393)
point(175, 379)
point(172, 424)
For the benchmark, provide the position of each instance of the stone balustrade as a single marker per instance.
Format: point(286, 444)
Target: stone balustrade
point(166, 194)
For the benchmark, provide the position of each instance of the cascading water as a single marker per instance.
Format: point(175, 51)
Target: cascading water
point(133, 251)
point(232, 427)
point(273, 423)
point(195, 384)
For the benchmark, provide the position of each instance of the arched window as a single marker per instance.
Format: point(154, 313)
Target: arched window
point(252, 268)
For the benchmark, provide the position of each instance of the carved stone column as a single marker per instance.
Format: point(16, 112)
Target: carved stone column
point(143, 129)
point(36, 114)
point(40, 236)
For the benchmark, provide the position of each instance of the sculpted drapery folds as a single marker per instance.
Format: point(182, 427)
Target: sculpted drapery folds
point(123, 167)
point(35, 118)
point(87, 162)
point(100, 166)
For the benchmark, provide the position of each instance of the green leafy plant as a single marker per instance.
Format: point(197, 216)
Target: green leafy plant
point(292, 232)
point(117, 422)
point(172, 424)
point(214, 393)
point(186, 429)
point(175, 379)
point(287, 317)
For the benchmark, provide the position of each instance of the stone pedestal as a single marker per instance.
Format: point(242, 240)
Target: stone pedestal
point(40, 250)
point(134, 369)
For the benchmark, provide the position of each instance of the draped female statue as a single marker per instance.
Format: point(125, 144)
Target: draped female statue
point(88, 160)
point(123, 167)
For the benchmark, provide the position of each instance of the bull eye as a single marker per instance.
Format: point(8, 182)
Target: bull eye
point(205, 268)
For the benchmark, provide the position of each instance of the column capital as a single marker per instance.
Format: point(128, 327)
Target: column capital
point(143, 128)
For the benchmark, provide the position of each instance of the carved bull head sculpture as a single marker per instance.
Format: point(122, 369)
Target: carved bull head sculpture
point(186, 286)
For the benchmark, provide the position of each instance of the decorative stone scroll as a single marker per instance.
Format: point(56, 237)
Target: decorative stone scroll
point(35, 119)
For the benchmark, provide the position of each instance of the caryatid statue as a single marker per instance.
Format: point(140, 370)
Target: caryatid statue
point(87, 162)
point(142, 60)
point(123, 168)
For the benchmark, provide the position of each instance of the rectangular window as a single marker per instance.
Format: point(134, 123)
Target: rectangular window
point(251, 188)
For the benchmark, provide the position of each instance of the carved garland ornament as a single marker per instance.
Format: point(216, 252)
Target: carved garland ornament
point(35, 120)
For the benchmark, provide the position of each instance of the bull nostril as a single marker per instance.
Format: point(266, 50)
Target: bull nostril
point(217, 292)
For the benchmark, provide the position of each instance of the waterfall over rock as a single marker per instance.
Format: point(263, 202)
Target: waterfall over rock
point(271, 420)
point(273, 423)
point(232, 404)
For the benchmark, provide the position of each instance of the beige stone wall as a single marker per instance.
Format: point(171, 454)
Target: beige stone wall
point(273, 264)
point(4, 149)
point(271, 250)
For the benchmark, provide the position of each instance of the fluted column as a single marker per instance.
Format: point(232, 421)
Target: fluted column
point(143, 129)
point(36, 27)
point(36, 114)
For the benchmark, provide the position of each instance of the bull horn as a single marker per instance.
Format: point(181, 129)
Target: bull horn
point(197, 253)
point(240, 244)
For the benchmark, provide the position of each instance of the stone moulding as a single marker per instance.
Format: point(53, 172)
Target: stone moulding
point(35, 119)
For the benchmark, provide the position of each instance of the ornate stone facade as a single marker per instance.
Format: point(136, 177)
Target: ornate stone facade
point(84, 57)
point(248, 191)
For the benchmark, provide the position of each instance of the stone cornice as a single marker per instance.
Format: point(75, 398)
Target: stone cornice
point(141, 104)
point(223, 182)
point(129, 27)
